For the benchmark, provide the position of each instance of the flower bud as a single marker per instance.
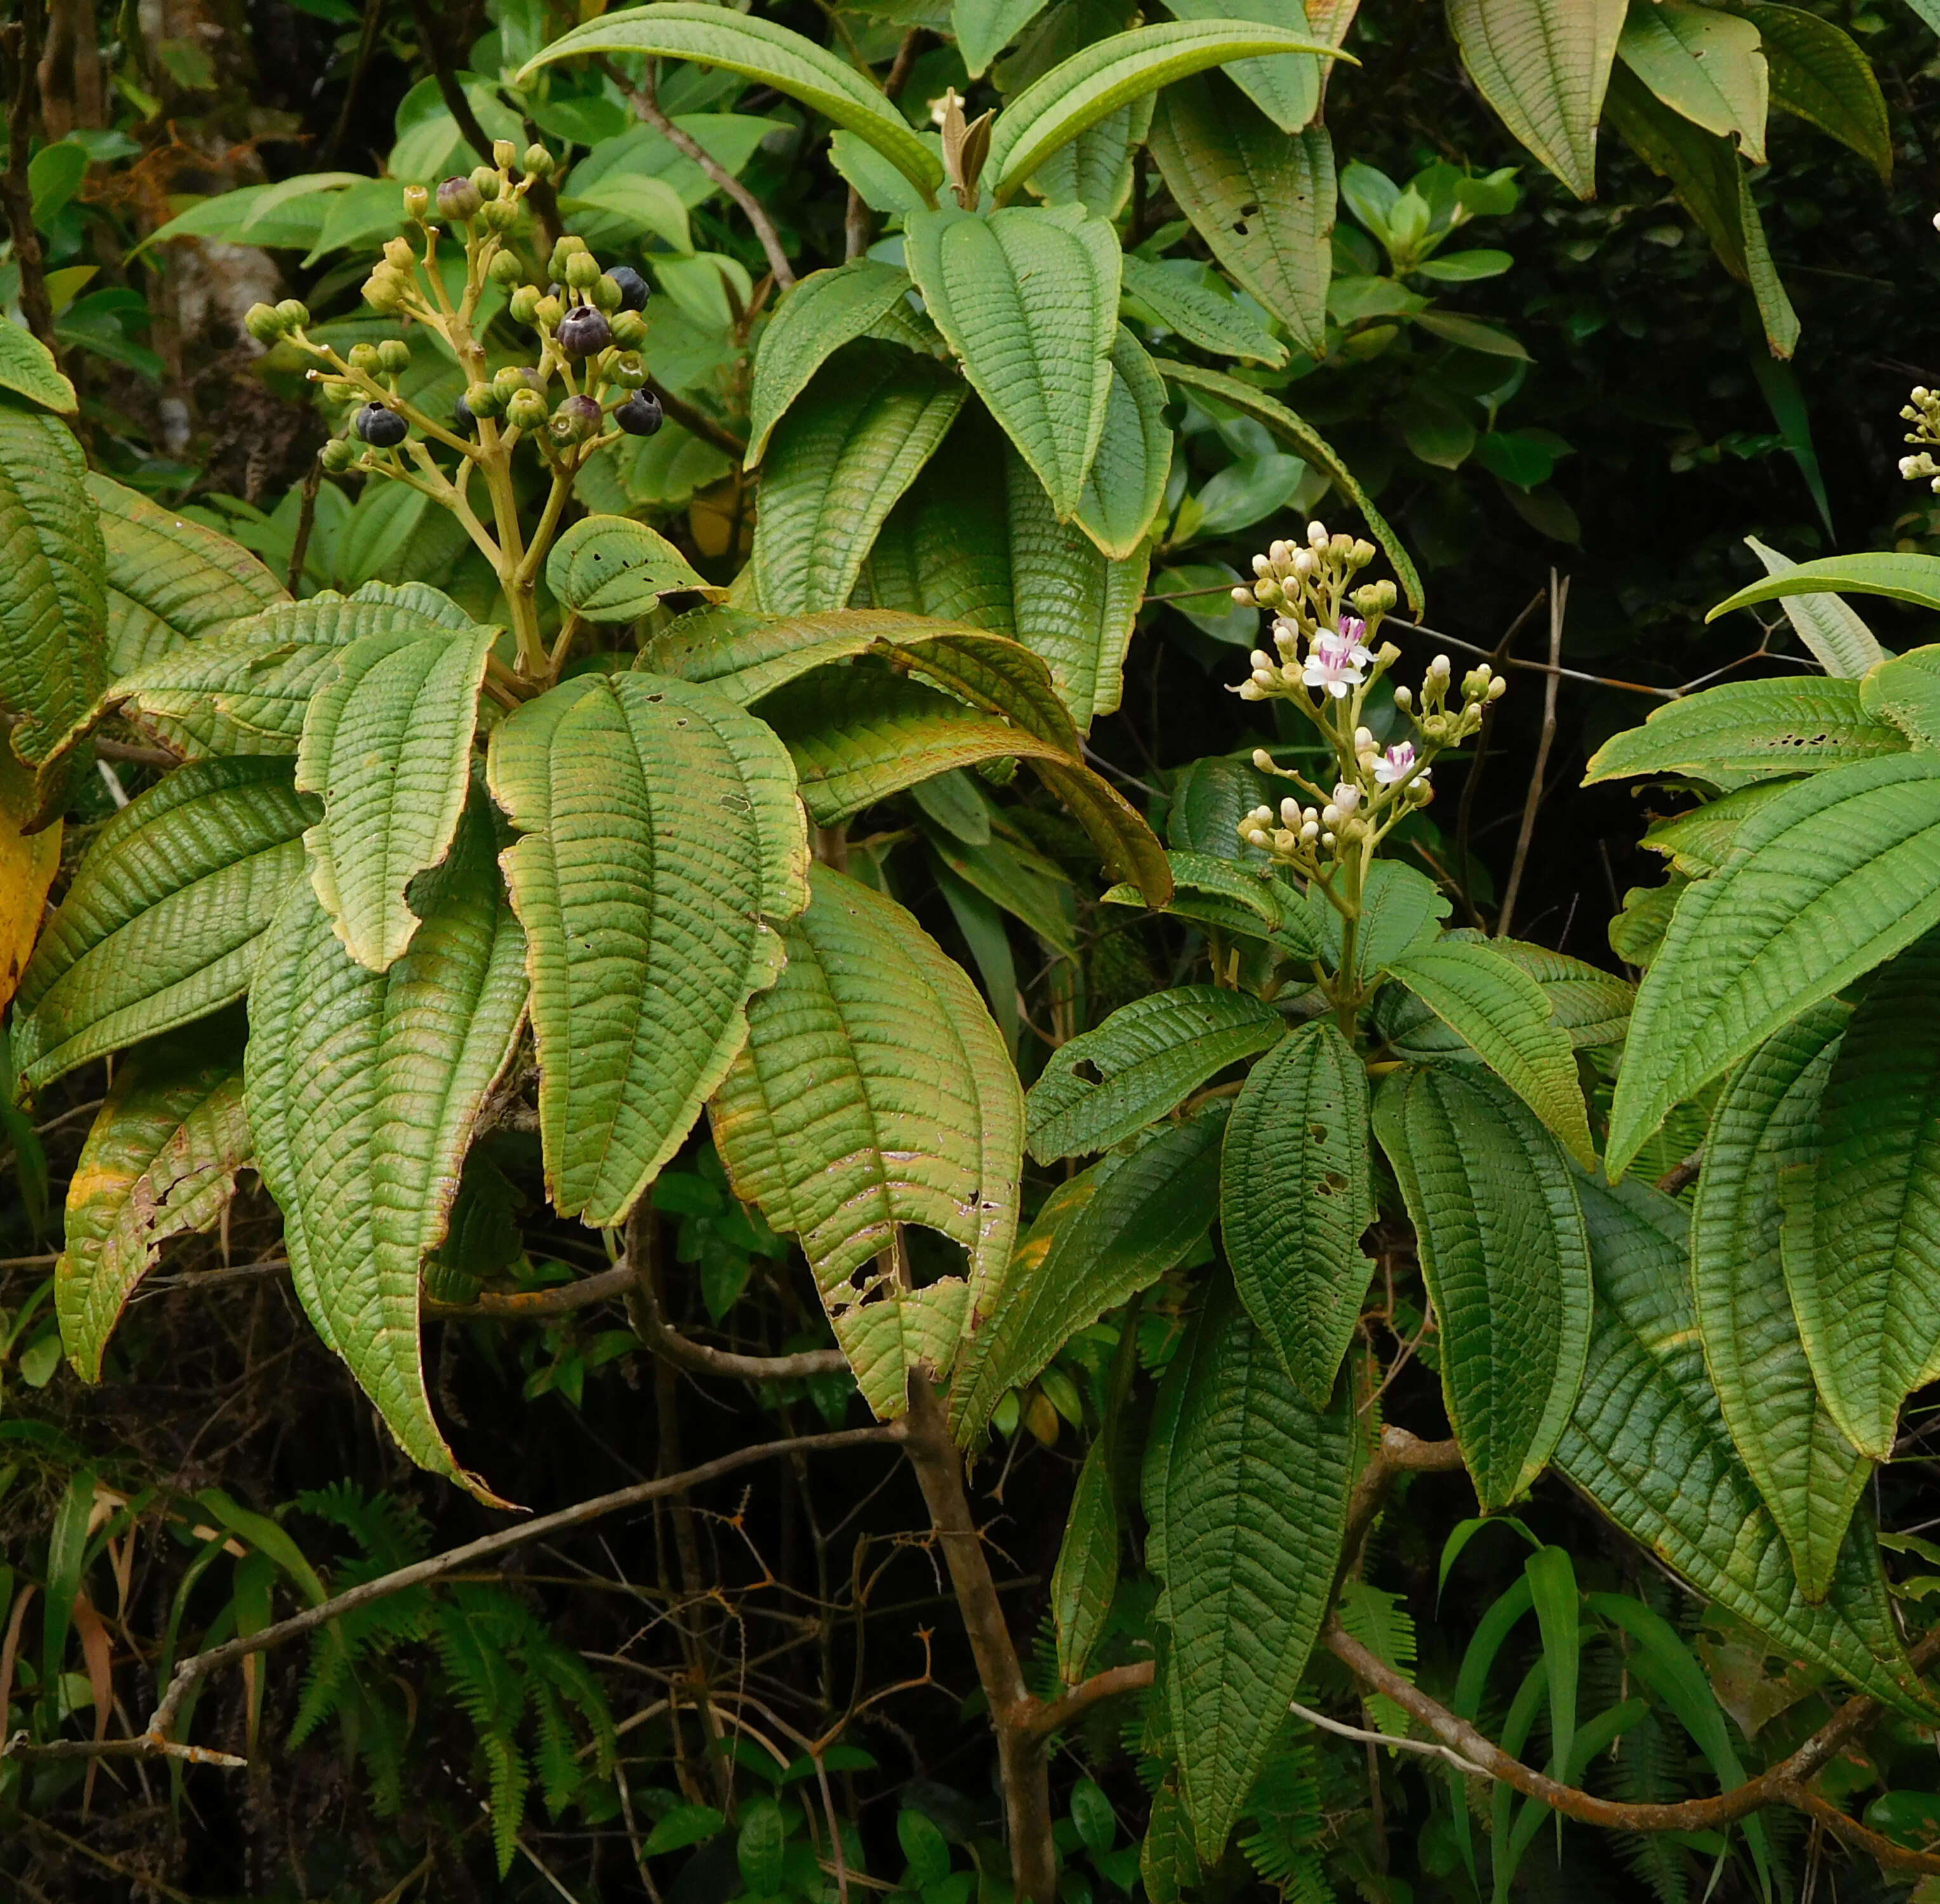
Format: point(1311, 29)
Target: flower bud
point(486, 183)
point(395, 354)
point(1364, 739)
point(1250, 690)
point(264, 322)
point(524, 304)
point(1263, 759)
point(1262, 564)
point(1346, 798)
point(527, 410)
point(630, 330)
point(384, 291)
point(294, 312)
point(1403, 699)
point(1310, 832)
point(606, 294)
point(1303, 562)
point(337, 455)
point(567, 247)
point(1341, 547)
point(1259, 660)
point(507, 383)
point(505, 154)
point(1316, 536)
point(1498, 687)
point(1243, 597)
point(1439, 667)
point(417, 203)
point(399, 255)
point(1281, 553)
point(1327, 840)
point(1361, 553)
point(459, 199)
point(364, 358)
point(500, 215)
point(582, 271)
point(1290, 814)
point(1386, 655)
point(1330, 817)
point(505, 270)
point(547, 312)
point(537, 161)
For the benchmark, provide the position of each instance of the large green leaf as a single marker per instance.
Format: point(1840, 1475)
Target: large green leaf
point(1086, 1577)
point(1297, 431)
point(1286, 86)
point(984, 28)
point(1205, 317)
point(1648, 1445)
point(745, 44)
point(661, 834)
point(1866, 1289)
point(1905, 690)
point(1401, 911)
point(160, 1161)
point(1235, 900)
point(1208, 799)
point(1126, 485)
point(1493, 1203)
point(1503, 1015)
point(53, 606)
point(1544, 68)
point(612, 568)
point(1705, 65)
point(387, 744)
point(1833, 877)
point(170, 580)
point(1095, 169)
point(1109, 73)
point(1764, 1132)
point(1028, 298)
point(162, 924)
point(1296, 1192)
point(874, 1090)
point(1264, 201)
point(1699, 841)
point(847, 448)
point(1840, 643)
point(825, 310)
point(1592, 1005)
point(28, 369)
point(1145, 1060)
point(362, 1087)
point(1819, 72)
point(1901, 576)
point(1247, 1529)
point(1792, 724)
point(1101, 1237)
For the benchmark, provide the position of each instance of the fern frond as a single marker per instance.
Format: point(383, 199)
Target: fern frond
point(1382, 1624)
point(1289, 1822)
point(559, 1773)
point(506, 1766)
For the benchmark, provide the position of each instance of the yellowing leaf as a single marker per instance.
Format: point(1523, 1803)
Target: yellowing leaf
point(28, 864)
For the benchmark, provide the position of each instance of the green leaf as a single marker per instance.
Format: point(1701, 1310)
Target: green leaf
point(1765, 1130)
point(661, 834)
point(612, 568)
point(1819, 73)
point(160, 1162)
point(844, 453)
point(362, 1089)
point(1792, 724)
point(1503, 1254)
point(1901, 578)
point(387, 744)
point(1400, 910)
point(825, 310)
point(1705, 65)
point(760, 1847)
point(1263, 201)
point(635, 201)
point(1235, 900)
point(1544, 68)
point(27, 368)
point(1286, 87)
point(1086, 1576)
point(1095, 169)
point(1101, 1236)
point(760, 49)
point(1905, 690)
point(1100, 77)
point(1833, 877)
point(1209, 798)
point(685, 1825)
point(1295, 429)
point(1591, 1005)
point(1699, 841)
point(53, 608)
point(1148, 1057)
point(984, 28)
point(1296, 1192)
point(1178, 302)
point(1865, 1292)
point(162, 924)
point(1648, 1446)
point(1028, 299)
point(1553, 1592)
point(1839, 642)
point(874, 1090)
point(1126, 485)
point(1251, 1517)
point(1503, 1015)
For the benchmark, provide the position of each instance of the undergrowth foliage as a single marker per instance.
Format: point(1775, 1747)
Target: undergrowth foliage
point(599, 1005)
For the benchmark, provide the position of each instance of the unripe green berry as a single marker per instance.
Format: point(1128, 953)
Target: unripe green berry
point(509, 381)
point(524, 304)
point(630, 329)
point(582, 271)
point(605, 293)
point(505, 154)
point(527, 410)
point(384, 290)
point(485, 182)
point(505, 270)
point(549, 311)
point(482, 400)
point(566, 248)
point(537, 161)
point(263, 322)
point(417, 203)
point(501, 216)
point(399, 255)
point(338, 456)
point(395, 354)
point(627, 370)
point(294, 313)
point(364, 358)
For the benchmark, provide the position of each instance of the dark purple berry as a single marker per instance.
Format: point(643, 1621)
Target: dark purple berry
point(634, 289)
point(380, 428)
point(639, 415)
point(461, 415)
point(576, 419)
point(585, 331)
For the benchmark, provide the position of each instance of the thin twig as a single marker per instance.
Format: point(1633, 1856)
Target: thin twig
point(1362, 1736)
point(306, 516)
point(1681, 1173)
point(1559, 604)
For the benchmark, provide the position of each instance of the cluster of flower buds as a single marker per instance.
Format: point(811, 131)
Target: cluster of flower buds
point(1923, 412)
point(1308, 585)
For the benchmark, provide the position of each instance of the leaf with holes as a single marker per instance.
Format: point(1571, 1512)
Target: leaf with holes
point(362, 1089)
point(874, 1090)
point(661, 841)
point(612, 568)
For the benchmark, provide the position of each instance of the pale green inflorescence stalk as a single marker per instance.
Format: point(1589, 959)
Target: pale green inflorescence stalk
point(1325, 666)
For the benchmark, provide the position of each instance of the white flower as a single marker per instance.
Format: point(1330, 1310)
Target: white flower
point(1397, 764)
point(1347, 797)
point(1335, 661)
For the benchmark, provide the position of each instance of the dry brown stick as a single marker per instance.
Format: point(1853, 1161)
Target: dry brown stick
point(23, 44)
point(1559, 604)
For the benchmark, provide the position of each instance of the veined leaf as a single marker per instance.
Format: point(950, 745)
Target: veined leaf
point(1705, 65)
point(1095, 169)
point(1028, 299)
point(1648, 1445)
point(848, 448)
point(1235, 899)
point(825, 310)
point(1401, 911)
point(743, 43)
point(1544, 68)
point(1833, 877)
point(1295, 1193)
point(1503, 1254)
point(387, 744)
point(984, 28)
point(1793, 724)
point(1126, 484)
point(162, 924)
point(874, 1090)
point(1765, 1130)
point(661, 834)
point(1839, 642)
point(53, 607)
point(1087, 1573)
point(1099, 79)
point(1263, 200)
point(1592, 1005)
point(1254, 1510)
point(1209, 798)
point(1905, 690)
point(1286, 87)
point(612, 568)
point(1819, 72)
point(1101, 1237)
point(28, 369)
point(1201, 317)
point(160, 1161)
point(1866, 1292)
point(1901, 578)
point(1699, 841)
point(1504, 1016)
point(1149, 1057)
point(362, 1089)
point(1295, 429)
